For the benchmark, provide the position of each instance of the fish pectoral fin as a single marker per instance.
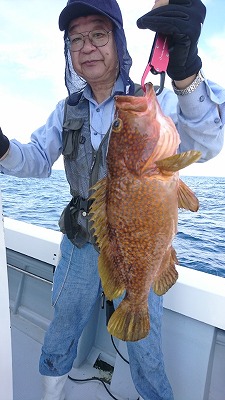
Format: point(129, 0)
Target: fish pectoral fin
point(112, 283)
point(129, 323)
point(178, 161)
point(168, 277)
point(186, 198)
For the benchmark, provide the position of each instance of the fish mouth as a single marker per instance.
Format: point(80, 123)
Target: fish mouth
point(130, 103)
point(137, 103)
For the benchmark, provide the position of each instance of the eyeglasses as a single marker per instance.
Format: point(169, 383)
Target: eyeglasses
point(98, 38)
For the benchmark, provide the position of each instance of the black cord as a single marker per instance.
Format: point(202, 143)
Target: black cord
point(100, 380)
point(110, 309)
point(123, 358)
point(94, 379)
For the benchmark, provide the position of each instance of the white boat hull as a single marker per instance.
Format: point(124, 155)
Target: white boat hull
point(193, 326)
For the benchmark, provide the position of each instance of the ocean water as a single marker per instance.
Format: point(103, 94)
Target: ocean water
point(200, 241)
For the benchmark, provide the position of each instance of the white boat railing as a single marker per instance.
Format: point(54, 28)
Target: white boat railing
point(6, 387)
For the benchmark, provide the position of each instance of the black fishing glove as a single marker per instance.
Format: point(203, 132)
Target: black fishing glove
point(181, 21)
point(4, 144)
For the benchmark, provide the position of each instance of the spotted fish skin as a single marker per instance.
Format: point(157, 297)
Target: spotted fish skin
point(135, 210)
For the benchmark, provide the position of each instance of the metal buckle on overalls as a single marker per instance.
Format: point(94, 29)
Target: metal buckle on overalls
point(84, 206)
point(81, 204)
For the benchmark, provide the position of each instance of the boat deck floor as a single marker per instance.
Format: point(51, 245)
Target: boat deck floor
point(27, 380)
point(27, 339)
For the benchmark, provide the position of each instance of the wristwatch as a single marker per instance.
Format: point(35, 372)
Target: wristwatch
point(191, 88)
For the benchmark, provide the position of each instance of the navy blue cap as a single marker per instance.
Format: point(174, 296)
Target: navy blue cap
point(75, 9)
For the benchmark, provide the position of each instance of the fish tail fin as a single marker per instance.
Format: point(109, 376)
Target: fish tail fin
point(168, 277)
point(127, 324)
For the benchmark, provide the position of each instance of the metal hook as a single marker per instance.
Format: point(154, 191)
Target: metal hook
point(162, 81)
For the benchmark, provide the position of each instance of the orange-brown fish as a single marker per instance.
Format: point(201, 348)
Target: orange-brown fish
point(135, 210)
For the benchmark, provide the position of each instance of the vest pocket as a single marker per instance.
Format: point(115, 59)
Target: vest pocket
point(71, 137)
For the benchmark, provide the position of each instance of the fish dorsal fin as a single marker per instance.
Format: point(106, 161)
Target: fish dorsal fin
point(186, 198)
point(97, 212)
point(112, 282)
point(178, 161)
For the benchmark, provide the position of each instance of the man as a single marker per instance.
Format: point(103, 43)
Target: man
point(97, 67)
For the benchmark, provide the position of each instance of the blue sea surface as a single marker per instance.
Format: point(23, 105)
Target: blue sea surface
point(200, 241)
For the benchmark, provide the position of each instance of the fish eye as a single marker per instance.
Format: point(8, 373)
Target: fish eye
point(117, 124)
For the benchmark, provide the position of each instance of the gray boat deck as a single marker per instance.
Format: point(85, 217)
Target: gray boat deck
point(27, 380)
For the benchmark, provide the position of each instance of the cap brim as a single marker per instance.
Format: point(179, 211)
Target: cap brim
point(76, 10)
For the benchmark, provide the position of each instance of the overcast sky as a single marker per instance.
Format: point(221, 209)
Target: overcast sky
point(32, 62)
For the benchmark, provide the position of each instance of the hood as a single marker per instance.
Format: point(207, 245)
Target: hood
point(110, 8)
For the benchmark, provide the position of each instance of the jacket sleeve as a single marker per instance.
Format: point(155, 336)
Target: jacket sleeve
point(35, 159)
point(199, 118)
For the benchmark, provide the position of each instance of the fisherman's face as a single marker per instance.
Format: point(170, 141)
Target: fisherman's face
point(94, 64)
